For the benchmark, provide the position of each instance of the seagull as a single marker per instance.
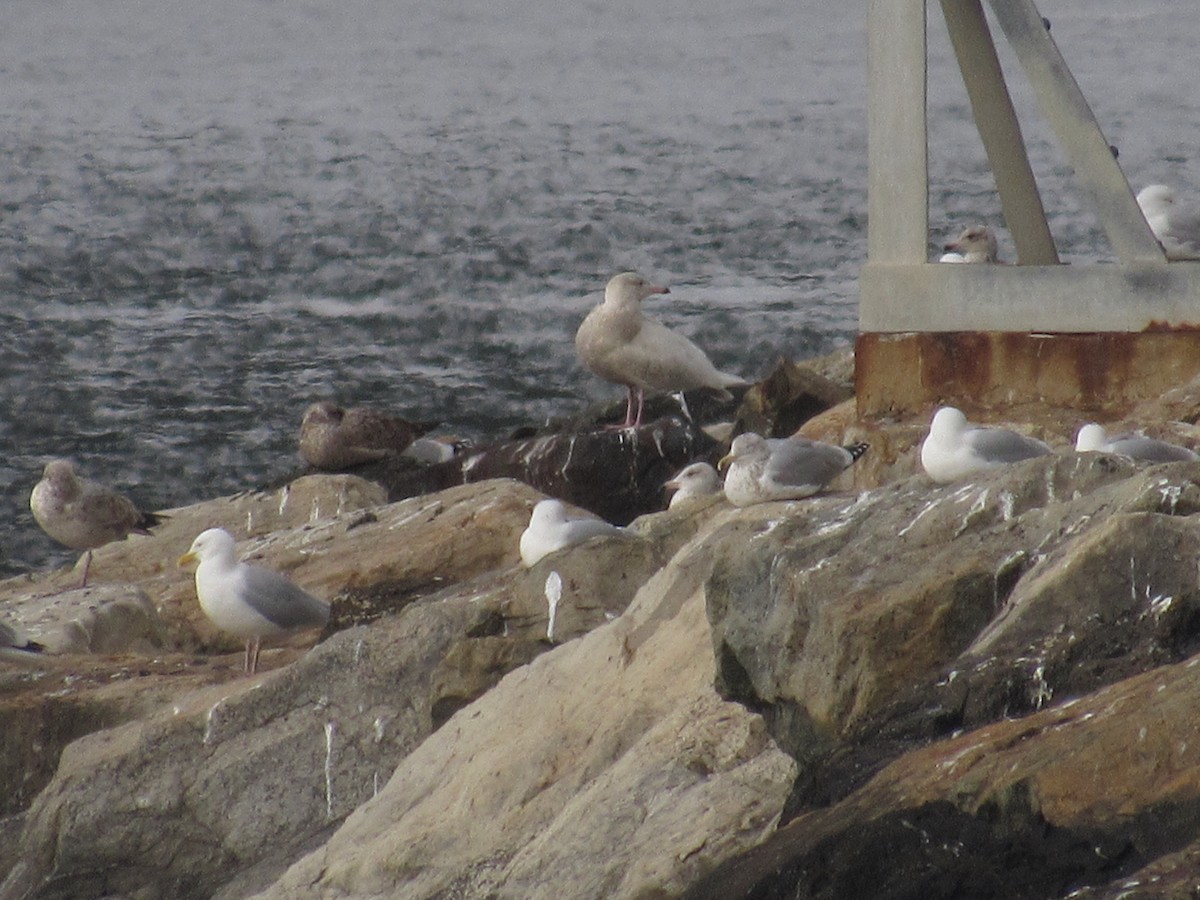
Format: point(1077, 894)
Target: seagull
point(618, 343)
point(1092, 437)
point(762, 469)
point(245, 600)
point(954, 449)
point(336, 438)
point(1177, 230)
point(697, 480)
point(82, 514)
point(975, 244)
point(552, 528)
point(439, 449)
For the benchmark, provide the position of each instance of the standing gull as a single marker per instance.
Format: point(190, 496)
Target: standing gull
point(697, 480)
point(975, 244)
point(1177, 230)
point(552, 528)
point(248, 601)
point(621, 345)
point(1093, 437)
point(954, 449)
point(762, 469)
point(84, 515)
point(336, 438)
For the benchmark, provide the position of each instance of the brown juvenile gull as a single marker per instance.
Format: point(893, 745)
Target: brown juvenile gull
point(762, 469)
point(336, 438)
point(621, 345)
point(248, 601)
point(1178, 230)
point(84, 515)
point(955, 449)
point(696, 480)
point(1093, 437)
point(975, 244)
point(551, 527)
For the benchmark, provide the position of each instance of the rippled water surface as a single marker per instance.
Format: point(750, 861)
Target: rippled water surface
point(213, 213)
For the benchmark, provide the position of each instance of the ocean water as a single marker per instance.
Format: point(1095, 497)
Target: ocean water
point(212, 214)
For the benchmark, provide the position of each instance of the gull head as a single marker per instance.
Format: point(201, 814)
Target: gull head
point(323, 413)
point(744, 446)
point(976, 244)
point(630, 288)
point(60, 473)
point(547, 513)
point(1155, 199)
point(215, 543)
point(948, 424)
point(1091, 437)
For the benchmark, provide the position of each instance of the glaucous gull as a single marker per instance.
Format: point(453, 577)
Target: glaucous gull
point(1178, 230)
point(552, 528)
point(248, 601)
point(762, 469)
point(335, 438)
point(82, 514)
point(1093, 437)
point(954, 449)
point(621, 345)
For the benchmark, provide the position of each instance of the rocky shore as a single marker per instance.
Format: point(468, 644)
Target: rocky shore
point(893, 689)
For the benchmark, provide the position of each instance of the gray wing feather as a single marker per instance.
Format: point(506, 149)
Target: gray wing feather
point(1149, 449)
point(1001, 445)
point(275, 598)
point(800, 461)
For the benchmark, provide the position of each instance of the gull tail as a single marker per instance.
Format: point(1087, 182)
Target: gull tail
point(856, 450)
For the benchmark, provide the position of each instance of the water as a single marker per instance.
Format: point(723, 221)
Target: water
point(212, 214)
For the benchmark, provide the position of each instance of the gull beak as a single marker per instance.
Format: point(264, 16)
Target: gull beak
point(724, 461)
point(186, 559)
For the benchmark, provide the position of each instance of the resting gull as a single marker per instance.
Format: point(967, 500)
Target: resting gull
point(1177, 230)
point(82, 514)
point(697, 480)
point(954, 449)
point(1093, 437)
point(762, 469)
point(248, 601)
point(552, 528)
point(618, 343)
point(335, 438)
point(975, 244)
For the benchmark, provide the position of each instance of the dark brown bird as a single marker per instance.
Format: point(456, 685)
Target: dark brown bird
point(333, 438)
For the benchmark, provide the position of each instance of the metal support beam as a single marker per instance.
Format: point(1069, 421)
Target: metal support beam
point(1067, 111)
point(898, 193)
point(1001, 132)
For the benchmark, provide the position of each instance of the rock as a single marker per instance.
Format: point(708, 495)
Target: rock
point(1082, 794)
point(100, 618)
point(222, 788)
point(789, 396)
point(982, 689)
point(618, 475)
point(607, 764)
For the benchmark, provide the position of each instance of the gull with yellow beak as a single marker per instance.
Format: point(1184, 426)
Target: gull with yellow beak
point(248, 601)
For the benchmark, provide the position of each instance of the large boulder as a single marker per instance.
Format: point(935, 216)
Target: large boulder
point(608, 765)
point(224, 785)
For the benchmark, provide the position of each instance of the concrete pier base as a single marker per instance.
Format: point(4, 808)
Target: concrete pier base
point(1102, 375)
